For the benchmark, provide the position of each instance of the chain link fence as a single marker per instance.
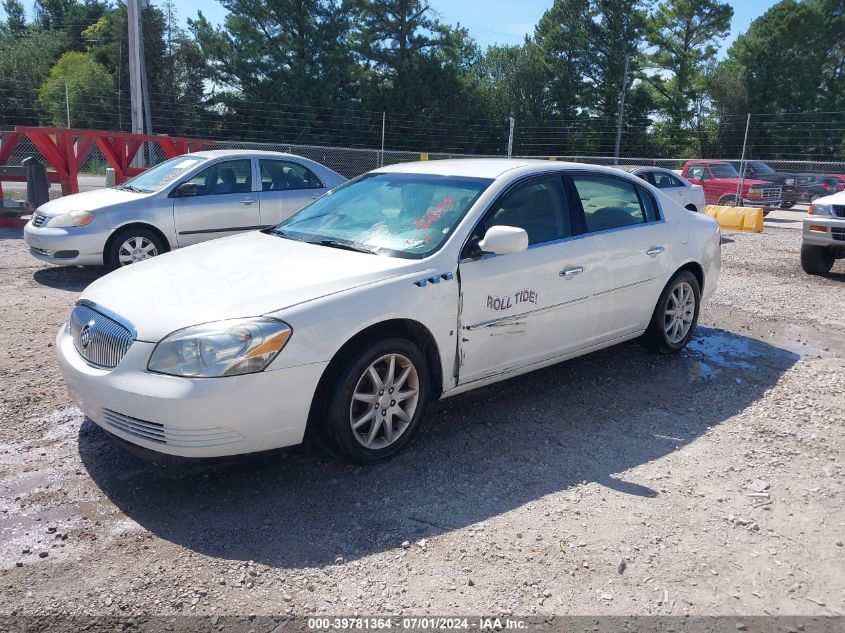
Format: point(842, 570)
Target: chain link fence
point(352, 162)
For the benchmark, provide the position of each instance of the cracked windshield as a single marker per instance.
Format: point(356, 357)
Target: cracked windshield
point(404, 215)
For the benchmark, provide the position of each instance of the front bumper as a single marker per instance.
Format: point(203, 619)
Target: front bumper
point(195, 418)
point(832, 235)
point(74, 246)
point(763, 204)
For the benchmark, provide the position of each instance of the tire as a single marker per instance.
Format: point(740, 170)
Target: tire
point(386, 427)
point(119, 253)
point(656, 337)
point(728, 201)
point(817, 260)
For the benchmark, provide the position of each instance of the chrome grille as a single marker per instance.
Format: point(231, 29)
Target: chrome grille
point(837, 233)
point(152, 431)
point(771, 192)
point(38, 218)
point(100, 340)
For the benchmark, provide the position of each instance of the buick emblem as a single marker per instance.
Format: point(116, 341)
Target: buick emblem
point(85, 335)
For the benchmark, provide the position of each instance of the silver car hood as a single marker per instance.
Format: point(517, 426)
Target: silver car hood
point(90, 201)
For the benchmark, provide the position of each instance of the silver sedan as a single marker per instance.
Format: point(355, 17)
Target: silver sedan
point(185, 200)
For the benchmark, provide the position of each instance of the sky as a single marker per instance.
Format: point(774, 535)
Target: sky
point(499, 21)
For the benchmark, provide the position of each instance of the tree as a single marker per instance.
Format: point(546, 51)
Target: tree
point(79, 85)
point(25, 62)
point(15, 18)
point(785, 67)
point(684, 34)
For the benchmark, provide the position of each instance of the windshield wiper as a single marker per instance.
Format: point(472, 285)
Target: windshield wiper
point(341, 245)
point(131, 188)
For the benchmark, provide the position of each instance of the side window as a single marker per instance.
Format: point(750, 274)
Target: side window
point(611, 203)
point(538, 206)
point(232, 176)
point(662, 180)
point(285, 175)
point(698, 172)
point(647, 176)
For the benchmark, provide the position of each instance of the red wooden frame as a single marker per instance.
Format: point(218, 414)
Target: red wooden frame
point(67, 149)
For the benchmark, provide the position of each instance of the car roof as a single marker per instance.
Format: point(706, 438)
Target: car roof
point(631, 169)
point(484, 167)
point(217, 153)
point(708, 161)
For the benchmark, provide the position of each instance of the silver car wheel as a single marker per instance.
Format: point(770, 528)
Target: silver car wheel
point(136, 249)
point(384, 401)
point(680, 311)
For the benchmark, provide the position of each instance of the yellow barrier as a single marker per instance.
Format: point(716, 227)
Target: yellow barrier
point(423, 155)
point(737, 218)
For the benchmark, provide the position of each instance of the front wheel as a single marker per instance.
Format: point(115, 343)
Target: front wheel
point(378, 400)
point(728, 201)
point(817, 260)
point(132, 245)
point(675, 316)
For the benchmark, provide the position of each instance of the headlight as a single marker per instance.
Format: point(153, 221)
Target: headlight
point(74, 218)
point(820, 209)
point(223, 348)
point(789, 181)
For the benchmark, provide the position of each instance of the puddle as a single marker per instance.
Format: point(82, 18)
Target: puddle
point(712, 352)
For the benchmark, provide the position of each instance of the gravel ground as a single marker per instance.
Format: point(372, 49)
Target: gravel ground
point(619, 483)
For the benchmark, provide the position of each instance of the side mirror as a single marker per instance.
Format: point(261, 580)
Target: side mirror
point(185, 190)
point(502, 240)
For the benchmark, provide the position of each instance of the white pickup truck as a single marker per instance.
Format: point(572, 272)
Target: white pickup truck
point(824, 234)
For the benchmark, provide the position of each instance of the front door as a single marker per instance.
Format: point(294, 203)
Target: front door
point(224, 203)
point(286, 187)
point(523, 308)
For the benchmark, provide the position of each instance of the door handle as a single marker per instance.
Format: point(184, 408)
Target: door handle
point(654, 251)
point(571, 272)
point(247, 201)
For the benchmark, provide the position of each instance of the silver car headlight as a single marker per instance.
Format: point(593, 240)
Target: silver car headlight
point(223, 348)
point(820, 209)
point(72, 218)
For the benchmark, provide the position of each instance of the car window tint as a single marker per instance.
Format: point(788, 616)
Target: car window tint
point(231, 176)
point(285, 175)
point(609, 203)
point(538, 206)
point(698, 172)
point(662, 180)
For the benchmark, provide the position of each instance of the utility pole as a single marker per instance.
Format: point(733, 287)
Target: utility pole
point(383, 121)
point(67, 105)
point(741, 183)
point(621, 113)
point(510, 136)
point(139, 96)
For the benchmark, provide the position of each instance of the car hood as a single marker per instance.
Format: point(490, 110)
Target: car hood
point(90, 201)
point(241, 276)
point(747, 182)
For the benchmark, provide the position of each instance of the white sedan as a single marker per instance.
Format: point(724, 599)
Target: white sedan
point(188, 199)
point(411, 283)
point(674, 185)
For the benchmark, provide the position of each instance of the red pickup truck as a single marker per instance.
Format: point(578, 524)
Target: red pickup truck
point(720, 182)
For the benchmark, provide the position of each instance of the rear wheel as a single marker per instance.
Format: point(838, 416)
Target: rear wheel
point(817, 260)
point(132, 245)
point(377, 401)
point(675, 316)
point(691, 207)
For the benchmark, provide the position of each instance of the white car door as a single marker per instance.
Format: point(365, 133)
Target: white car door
point(523, 308)
point(222, 203)
point(625, 230)
point(286, 187)
point(674, 187)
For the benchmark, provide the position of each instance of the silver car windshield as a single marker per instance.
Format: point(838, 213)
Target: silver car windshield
point(162, 174)
point(401, 215)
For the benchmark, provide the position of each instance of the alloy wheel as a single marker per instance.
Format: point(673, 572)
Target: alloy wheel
point(680, 311)
point(384, 401)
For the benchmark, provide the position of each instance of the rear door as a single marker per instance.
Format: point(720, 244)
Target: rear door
point(625, 231)
point(286, 187)
point(523, 308)
point(671, 186)
point(224, 203)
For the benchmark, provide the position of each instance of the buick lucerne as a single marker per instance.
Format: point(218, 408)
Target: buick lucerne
point(410, 283)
